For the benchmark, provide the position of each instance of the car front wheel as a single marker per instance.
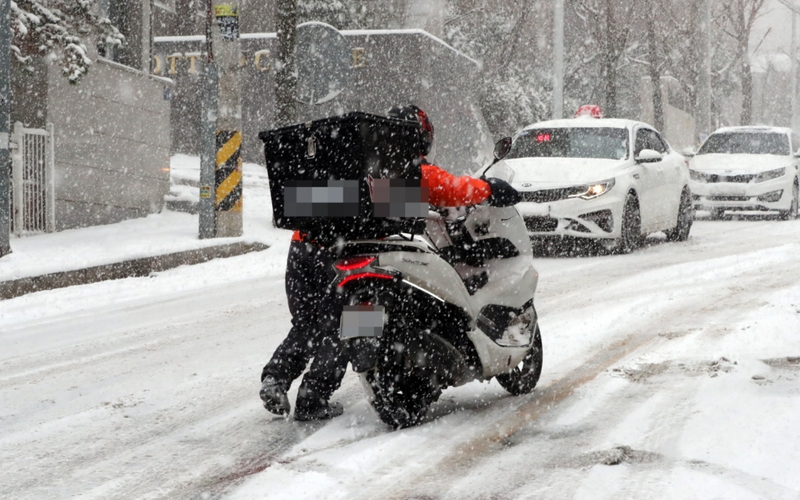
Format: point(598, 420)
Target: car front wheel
point(630, 237)
point(685, 217)
point(791, 214)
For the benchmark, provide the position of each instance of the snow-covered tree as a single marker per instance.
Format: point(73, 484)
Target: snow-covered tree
point(607, 27)
point(741, 15)
point(515, 87)
point(59, 29)
point(353, 14)
point(514, 97)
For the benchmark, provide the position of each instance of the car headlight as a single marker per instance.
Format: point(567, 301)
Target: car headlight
point(698, 176)
point(770, 174)
point(592, 191)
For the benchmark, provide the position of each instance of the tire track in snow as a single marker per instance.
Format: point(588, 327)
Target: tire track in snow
point(222, 416)
point(744, 281)
point(48, 445)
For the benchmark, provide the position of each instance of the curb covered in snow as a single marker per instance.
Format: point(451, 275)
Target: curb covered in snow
point(126, 269)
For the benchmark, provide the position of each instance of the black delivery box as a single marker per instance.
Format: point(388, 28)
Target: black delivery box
point(354, 176)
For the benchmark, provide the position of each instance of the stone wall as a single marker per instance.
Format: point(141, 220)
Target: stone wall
point(112, 145)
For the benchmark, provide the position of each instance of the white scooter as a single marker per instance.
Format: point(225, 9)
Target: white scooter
point(425, 312)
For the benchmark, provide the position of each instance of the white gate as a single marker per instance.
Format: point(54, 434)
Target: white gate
point(32, 190)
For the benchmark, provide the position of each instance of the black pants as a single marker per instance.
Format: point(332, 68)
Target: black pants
point(315, 327)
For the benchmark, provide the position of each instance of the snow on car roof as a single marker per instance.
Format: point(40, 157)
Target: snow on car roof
point(754, 129)
point(586, 122)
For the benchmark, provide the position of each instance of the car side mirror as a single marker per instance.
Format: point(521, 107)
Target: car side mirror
point(648, 156)
point(502, 147)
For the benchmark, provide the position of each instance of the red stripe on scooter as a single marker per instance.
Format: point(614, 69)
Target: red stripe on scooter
point(359, 276)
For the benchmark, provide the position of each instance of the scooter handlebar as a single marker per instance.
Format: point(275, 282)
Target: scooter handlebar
point(503, 193)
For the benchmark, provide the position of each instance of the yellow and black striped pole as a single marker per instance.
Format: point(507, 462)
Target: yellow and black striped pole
point(228, 181)
point(221, 165)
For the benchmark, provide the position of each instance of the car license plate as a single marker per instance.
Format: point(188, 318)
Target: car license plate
point(541, 209)
point(362, 321)
point(727, 191)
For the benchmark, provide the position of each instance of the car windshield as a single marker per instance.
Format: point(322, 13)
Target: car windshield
point(750, 143)
point(590, 142)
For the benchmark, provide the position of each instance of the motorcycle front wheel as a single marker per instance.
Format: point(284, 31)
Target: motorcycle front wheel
point(523, 378)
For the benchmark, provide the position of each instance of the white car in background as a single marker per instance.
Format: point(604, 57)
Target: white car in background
point(610, 180)
point(747, 169)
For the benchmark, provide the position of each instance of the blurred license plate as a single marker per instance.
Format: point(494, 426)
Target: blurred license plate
point(727, 191)
point(321, 198)
point(362, 321)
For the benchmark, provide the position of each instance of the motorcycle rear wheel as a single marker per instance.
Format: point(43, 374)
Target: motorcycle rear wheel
point(399, 399)
point(525, 376)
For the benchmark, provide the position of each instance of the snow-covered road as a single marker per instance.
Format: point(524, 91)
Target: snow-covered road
point(673, 372)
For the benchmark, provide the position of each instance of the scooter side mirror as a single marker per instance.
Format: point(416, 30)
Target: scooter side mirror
point(502, 147)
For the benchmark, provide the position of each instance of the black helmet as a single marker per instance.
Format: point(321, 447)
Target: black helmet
point(412, 112)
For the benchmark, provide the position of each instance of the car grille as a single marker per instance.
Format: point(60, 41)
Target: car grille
point(739, 179)
point(541, 224)
point(548, 195)
point(729, 198)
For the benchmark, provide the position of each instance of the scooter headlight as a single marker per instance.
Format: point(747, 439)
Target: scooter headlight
point(592, 191)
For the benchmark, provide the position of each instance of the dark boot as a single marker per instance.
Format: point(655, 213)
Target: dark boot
point(273, 394)
point(320, 411)
point(310, 406)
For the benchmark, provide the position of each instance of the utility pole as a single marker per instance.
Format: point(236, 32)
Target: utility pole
point(221, 163)
point(558, 59)
point(654, 70)
point(285, 76)
point(792, 6)
point(704, 120)
point(5, 127)
point(793, 51)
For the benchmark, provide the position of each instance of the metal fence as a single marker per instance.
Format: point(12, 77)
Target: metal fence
point(32, 190)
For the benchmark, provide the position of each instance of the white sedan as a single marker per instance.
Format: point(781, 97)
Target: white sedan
point(747, 169)
point(604, 179)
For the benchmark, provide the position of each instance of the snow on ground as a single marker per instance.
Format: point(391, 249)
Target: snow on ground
point(156, 234)
point(669, 373)
point(699, 399)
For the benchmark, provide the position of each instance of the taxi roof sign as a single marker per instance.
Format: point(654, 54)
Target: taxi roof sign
point(589, 111)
